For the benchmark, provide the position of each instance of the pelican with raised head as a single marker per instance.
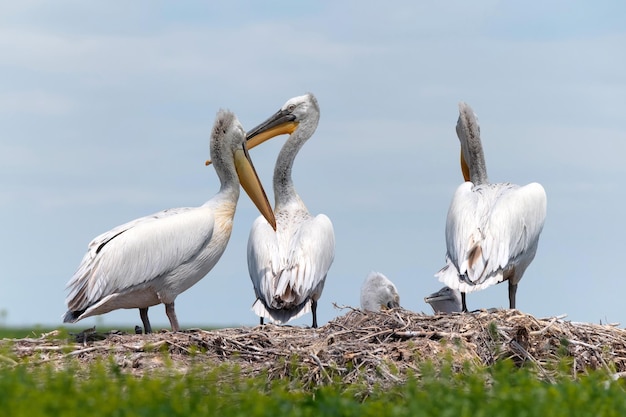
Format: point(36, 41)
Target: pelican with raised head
point(446, 300)
point(378, 293)
point(288, 266)
point(492, 230)
point(151, 260)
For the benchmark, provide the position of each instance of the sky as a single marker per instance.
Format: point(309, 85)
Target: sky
point(106, 109)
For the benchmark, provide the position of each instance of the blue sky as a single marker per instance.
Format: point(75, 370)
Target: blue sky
point(106, 109)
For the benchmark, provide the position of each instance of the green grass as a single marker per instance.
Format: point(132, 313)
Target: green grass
point(34, 332)
point(103, 390)
point(19, 332)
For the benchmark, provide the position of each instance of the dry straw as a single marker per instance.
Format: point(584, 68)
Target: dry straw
point(367, 348)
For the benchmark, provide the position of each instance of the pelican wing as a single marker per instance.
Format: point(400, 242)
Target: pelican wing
point(263, 258)
point(490, 229)
point(309, 258)
point(137, 252)
point(289, 276)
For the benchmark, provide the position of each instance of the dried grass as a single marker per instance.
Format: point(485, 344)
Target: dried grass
point(366, 348)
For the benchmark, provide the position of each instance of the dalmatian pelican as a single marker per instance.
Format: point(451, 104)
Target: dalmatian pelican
point(378, 293)
point(288, 266)
point(446, 300)
point(492, 229)
point(150, 260)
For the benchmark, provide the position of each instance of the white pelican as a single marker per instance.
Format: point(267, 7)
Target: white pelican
point(446, 300)
point(492, 230)
point(378, 293)
point(288, 266)
point(152, 259)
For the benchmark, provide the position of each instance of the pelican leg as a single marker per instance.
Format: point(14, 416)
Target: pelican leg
point(261, 321)
point(314, 311)
point(512, 292)
point(143, 313)
point(463, 305)
point(171, 314)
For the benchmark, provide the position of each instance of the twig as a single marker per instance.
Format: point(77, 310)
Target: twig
point(319, 364)
point(545, 329)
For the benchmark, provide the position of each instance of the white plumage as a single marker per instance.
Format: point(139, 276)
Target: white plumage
point(288, 267)
point(492, 230)
point(378, 292)
point(152, 259)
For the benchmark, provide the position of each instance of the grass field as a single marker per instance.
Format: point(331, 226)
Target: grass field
point(19, 332)
point(101, 390)
point(41, 384)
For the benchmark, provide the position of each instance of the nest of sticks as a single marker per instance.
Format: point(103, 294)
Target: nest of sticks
point(377, 349)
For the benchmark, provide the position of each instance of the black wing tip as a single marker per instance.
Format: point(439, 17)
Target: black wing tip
point(72, 316)
point(284, 315)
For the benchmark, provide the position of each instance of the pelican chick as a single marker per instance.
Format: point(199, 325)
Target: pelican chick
point(378, 293)
point(492, 230)
point(446, 300)
point(151, 260)
point(288, 265)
